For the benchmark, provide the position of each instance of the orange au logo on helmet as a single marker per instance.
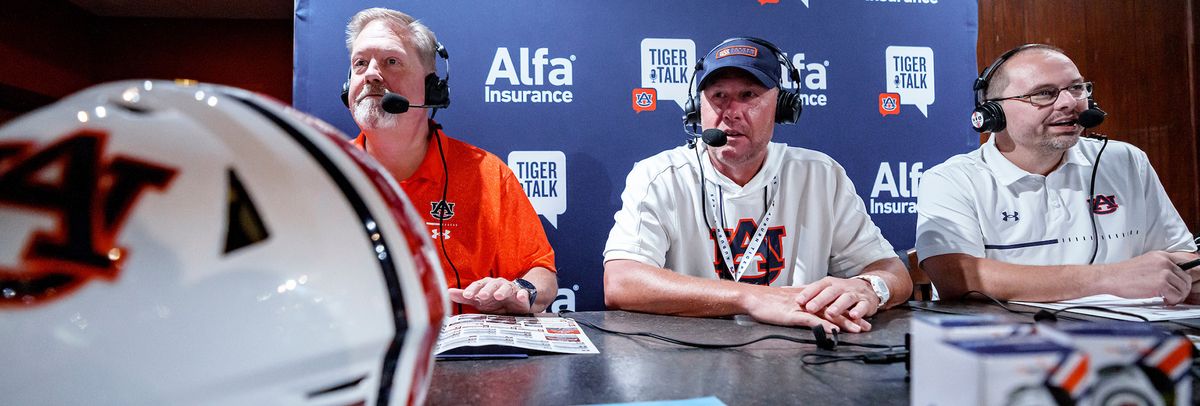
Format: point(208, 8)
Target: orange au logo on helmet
point(89, 197)
point(742, 50)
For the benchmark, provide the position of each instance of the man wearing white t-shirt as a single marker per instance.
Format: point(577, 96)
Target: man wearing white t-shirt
point(1014, 219)
point(811, 254)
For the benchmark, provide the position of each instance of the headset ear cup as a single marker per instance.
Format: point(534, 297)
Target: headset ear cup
point(691, 111)
point(988, 117)
point(437, 93)
point(788, 108)
point(346, 93)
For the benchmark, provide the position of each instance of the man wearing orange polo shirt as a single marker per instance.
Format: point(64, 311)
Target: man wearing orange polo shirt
point(494, 251)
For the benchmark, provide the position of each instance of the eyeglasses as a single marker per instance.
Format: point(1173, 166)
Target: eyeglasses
point(1046, 97)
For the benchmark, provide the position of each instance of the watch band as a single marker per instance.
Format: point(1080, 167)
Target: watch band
point(528, 287)
point(878, 285)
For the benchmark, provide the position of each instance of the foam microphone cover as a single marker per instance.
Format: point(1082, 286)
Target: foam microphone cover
point(1045, 316)
point(1091, 117)
point(714, 137)
point(394, 103)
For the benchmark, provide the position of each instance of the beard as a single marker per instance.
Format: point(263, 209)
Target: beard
point(1058, 143)
point(1061, 143)
point(368, 112)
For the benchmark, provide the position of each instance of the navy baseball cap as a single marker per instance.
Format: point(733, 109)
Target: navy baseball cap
point(746, 55)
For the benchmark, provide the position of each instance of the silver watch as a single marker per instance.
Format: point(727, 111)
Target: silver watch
point(878, 285)
point(528, 287)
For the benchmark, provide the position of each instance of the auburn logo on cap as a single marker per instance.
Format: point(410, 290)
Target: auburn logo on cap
point(743, 50)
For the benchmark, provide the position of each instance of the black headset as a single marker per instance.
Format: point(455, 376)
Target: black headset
point(989, 115)
point(787, 111)
point(437, 90)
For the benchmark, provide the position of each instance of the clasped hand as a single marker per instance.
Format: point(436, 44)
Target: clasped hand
point(834, 303)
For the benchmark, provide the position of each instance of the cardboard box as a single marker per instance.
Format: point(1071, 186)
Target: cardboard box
point(931, 331)
point(1021, 370)
point(1134, 363)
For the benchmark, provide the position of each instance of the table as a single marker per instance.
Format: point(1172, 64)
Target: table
point(643, 369)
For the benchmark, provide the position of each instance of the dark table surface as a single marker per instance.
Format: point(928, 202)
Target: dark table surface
point(644, 369)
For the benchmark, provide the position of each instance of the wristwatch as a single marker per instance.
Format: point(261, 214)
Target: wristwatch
point(878, 285)
point(528, 287)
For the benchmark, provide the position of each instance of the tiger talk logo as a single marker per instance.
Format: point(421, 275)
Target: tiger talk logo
point(667, 65)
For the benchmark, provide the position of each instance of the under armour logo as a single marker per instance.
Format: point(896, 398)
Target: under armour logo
point(441, 210)
point(1012, 216)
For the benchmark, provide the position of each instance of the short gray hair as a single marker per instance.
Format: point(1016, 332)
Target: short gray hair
point(422, 37)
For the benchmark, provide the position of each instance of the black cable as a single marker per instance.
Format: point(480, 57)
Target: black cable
point(994, 300)
point(1092, 200)
point(685, 343)
point(1055, 313)
point(926, 309)
point(1098, 308)
point(433, 128)
point(874, 357)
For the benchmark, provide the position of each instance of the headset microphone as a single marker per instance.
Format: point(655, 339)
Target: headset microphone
point(395, 104)
point(1093, 116)
point(714, 137)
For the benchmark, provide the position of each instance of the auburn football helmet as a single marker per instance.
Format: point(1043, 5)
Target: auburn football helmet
point(166, 243)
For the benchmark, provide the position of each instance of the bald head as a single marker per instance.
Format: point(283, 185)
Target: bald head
point(1002, 76)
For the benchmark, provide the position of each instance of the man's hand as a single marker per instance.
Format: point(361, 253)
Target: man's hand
point(493, 296)
point(780, 306)
point(1193, 296)
point(831, 297)
point(1152, 274)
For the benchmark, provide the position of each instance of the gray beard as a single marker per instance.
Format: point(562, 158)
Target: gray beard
point(1058, 144)
point(370, 115)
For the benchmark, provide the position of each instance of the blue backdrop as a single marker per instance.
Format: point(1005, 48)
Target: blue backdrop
point(571, 94)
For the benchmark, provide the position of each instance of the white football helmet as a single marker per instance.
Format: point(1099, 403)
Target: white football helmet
point(173, 244)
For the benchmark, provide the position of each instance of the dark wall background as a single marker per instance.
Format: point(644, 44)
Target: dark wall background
point(52, 48)
point(1141, 54)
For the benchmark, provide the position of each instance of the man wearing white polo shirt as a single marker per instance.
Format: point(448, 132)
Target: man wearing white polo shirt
point(1014, 218)
point(748, 226)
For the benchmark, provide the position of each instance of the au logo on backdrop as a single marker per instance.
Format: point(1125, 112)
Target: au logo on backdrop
point(889, 103)
point(645, 99)
point(910, 76)
point(543, 175)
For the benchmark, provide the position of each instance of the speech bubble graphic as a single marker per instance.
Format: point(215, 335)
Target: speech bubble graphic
point(889, 103)
point(910, 74)
point(645, 99)
point(543, 175)
point(667, 67)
